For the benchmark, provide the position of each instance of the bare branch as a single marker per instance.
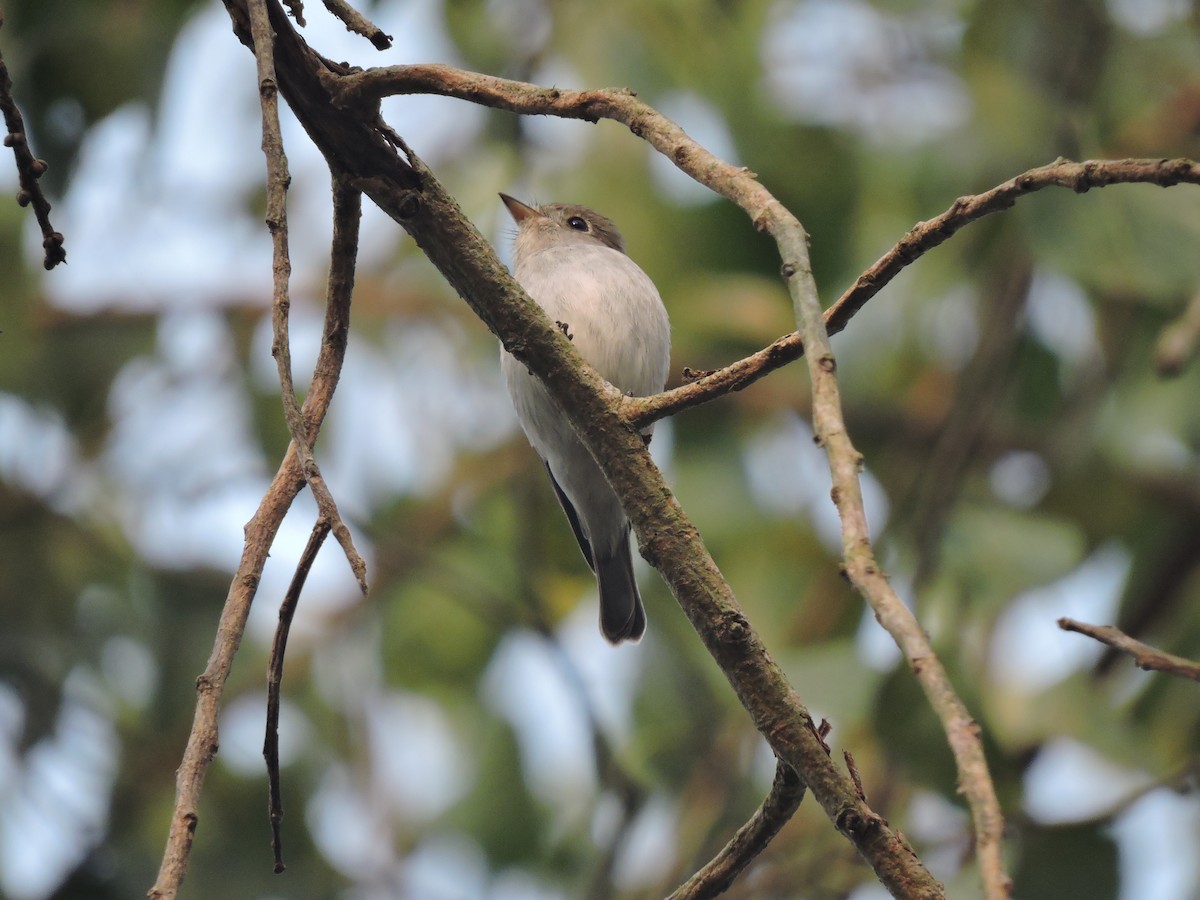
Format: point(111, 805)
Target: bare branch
point(29, 170)
point(738, 184)
point(1080, 177)
point(278, 181)
point(861, 567)
point(919, 240)
point(1144, 656)
point(751, 839)
point(260, 533)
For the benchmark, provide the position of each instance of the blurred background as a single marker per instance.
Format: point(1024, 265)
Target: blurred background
point(464, 732)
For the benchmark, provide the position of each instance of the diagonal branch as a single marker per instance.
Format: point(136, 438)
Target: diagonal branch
point(1144, 656)
point(260, 533)
point(278, 181)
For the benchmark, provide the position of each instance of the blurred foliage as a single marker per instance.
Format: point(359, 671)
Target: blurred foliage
point(1023, 459)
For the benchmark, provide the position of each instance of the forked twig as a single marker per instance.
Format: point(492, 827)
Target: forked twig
point(278, 181)
point(260, 533)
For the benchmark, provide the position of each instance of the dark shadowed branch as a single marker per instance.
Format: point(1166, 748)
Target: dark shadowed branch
point(29, 169)
point(287, 611)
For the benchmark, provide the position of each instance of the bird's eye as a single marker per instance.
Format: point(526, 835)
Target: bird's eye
point(578, 223)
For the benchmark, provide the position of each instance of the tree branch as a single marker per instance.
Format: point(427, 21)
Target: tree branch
point(278, 181)
point(260, 533)
point(845, 463)
point(1144, 656)
point(1079, 177)
point(29, 169)
point(362, 89)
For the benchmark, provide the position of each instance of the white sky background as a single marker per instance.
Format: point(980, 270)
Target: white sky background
point(154, 222)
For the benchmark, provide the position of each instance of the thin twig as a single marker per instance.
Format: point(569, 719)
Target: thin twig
point(287, 610)
point(259, 534)
point(29, 169)
point(920, 239)
point(278, 181)
point(1144, 656)
point(780, 804)
point(1079, 177)
point(359, 24)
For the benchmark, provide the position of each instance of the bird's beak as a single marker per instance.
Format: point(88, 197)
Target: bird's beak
point(520, 211)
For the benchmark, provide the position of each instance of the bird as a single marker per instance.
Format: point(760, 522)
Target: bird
point(572, 261)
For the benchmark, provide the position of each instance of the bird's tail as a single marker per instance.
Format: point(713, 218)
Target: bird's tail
point(622, 616)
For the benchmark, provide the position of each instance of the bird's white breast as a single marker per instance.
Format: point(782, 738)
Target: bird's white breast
point(611, 307)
